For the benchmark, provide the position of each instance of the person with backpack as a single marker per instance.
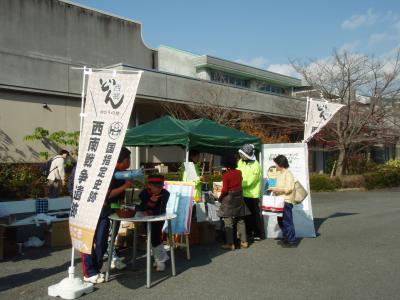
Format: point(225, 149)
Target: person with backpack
point(56, 173)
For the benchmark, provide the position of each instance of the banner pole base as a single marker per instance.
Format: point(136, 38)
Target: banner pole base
point(70, 287)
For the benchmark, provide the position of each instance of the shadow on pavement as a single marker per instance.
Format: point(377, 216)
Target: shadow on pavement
point(35, 253)
point(319, 221)
point(134, 279)
point(16, 280)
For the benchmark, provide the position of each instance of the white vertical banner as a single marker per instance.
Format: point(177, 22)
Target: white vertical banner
point(109, 101)
point(319, 113)
point(297, 155)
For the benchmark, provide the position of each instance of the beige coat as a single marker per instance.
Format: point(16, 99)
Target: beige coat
point(285, 181)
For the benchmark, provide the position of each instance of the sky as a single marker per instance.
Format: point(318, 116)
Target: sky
point(265, 34)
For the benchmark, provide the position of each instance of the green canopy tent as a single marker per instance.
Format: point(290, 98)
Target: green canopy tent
point(202, 135)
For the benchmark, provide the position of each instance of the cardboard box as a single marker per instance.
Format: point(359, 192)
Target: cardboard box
point(57, 234)
point(207, 233)
point(8, 245)
point(7, 220)
point(194, 236)
point(23, 232)
point(8, 248)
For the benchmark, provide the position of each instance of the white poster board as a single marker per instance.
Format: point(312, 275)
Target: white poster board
point(297, 155)
point(190, 172)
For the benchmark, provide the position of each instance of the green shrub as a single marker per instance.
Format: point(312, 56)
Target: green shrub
point(352, 181)
point(321, 182)
point(23, 180)
point(376, 176)
point(19, 181)
point(394, 163)
point(384, 177)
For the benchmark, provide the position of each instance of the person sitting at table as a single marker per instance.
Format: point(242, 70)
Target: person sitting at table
point(233, 208)
point(154, 202)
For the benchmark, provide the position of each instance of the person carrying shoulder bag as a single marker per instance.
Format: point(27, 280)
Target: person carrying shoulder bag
point(57, 173)
point(285, 186)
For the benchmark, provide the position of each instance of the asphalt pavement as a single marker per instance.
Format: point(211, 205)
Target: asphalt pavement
point(356, 255)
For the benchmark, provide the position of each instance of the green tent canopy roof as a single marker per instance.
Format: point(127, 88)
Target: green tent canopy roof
point(200, 134)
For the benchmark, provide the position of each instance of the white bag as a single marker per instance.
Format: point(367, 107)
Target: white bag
point(33, 241)
point(272, 205)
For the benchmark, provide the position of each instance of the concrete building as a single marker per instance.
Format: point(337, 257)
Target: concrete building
point(41, 42)
point(225, 72)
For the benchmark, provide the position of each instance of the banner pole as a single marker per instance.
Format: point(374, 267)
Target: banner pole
point(187, 153)
point(72, 287)
point(81, 117)
point(306, 118)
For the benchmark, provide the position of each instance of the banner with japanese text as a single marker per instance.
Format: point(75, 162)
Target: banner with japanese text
point(109, 101)
point(318, 115)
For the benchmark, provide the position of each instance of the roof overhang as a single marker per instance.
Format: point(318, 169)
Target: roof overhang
point(244, 71)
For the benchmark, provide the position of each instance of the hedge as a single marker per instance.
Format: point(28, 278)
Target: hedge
point(323, 183)
point(19, 181)
point(383, 176)
point(23, 180)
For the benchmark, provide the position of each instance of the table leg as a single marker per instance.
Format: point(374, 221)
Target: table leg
point(171, 247)
point(148, 271)
point(111, 248)
point(134, 248)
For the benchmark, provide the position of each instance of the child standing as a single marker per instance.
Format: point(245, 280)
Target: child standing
point(233, 208)
point(154, 202)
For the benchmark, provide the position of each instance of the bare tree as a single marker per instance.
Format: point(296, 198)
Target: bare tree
point(177, 110)
point(222, 105)
point(342, 78)
point(215, 102)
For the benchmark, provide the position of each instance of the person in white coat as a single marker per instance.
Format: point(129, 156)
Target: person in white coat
point(57, 173)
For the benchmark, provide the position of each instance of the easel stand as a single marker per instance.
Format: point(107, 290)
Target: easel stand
point(184, 243)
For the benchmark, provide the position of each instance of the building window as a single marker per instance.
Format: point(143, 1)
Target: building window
point(225, 78)
point(271, 89)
